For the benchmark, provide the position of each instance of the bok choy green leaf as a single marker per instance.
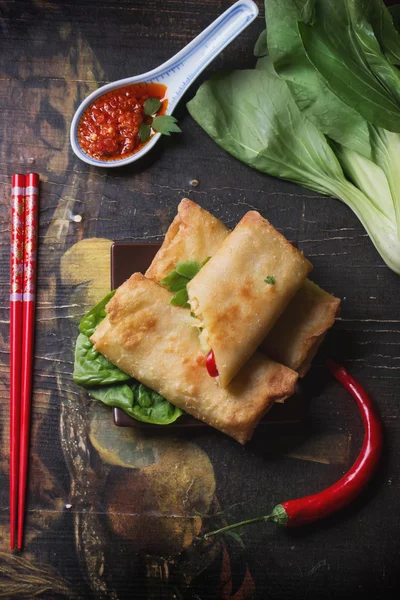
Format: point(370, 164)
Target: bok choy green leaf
point(383, 26)
point(253, 115)
point(332, 46)
point(327, 71)
point(383, 70)
point(319, 104)
point(309, 89)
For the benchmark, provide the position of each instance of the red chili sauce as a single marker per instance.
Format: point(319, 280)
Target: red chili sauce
point(108, 129)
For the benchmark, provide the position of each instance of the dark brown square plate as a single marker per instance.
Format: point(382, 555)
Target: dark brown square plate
point(128, 258)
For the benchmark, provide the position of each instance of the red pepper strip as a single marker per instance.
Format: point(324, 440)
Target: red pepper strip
point(210, 364)
point(302, 511)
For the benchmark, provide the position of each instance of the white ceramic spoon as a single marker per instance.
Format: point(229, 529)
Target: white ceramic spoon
point(178, 73)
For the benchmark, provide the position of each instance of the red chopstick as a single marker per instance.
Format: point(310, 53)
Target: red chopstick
point(28, 330)
point(16, 291)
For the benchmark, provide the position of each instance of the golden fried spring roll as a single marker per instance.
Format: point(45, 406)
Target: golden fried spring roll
point(241, 292)
point(156, 344)
point(297, 335)
point(194, 234)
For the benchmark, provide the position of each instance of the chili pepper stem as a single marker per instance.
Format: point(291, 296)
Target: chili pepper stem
point(229, 527)
point(278, 516)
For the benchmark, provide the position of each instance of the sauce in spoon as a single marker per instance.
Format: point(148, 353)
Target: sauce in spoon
point(114, 145)
point(109, 127)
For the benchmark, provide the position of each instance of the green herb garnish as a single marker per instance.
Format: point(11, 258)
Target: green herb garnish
point(151, 106)
point(177, 280)
point(144, 132)
point(270, 279)
point(165, 124)
point(174, 282)
point(188, 269)
point(180, 298)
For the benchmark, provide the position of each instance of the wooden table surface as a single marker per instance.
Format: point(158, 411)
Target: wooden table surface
point(115, 514)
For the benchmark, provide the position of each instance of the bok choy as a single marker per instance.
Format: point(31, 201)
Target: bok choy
point(321, 110)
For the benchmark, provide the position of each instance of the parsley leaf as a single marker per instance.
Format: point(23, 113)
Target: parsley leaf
point(270, 279)
point(144, 133)
point(166, 124)
point(188, 269)
point(180, 298)
point(177, 280)
point(174, 281)
point(151, 106)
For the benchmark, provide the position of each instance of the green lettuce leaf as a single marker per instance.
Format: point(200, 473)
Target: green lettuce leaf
point(94, 316)
point(91, 367)
point(138, 401)
point(108, 384)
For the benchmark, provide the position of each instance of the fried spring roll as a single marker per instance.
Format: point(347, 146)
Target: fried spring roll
point(156, 344)
point(194, 234)
point(298, 333)
point(241, 292)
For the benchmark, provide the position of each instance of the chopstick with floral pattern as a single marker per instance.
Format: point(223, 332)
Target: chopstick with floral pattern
point(16, 291)
point(28, 330)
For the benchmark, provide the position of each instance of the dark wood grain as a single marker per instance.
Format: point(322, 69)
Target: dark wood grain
point(129, 530)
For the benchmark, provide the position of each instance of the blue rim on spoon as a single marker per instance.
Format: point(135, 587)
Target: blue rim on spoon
point(178, 73)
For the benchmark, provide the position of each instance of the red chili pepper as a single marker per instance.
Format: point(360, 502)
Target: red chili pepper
point(211, 365)
point(294, 513)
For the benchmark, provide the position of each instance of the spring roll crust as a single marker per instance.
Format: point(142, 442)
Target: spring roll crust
point(230, 295)
point(194, 234)
point(154, 342)
point(297, 335)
